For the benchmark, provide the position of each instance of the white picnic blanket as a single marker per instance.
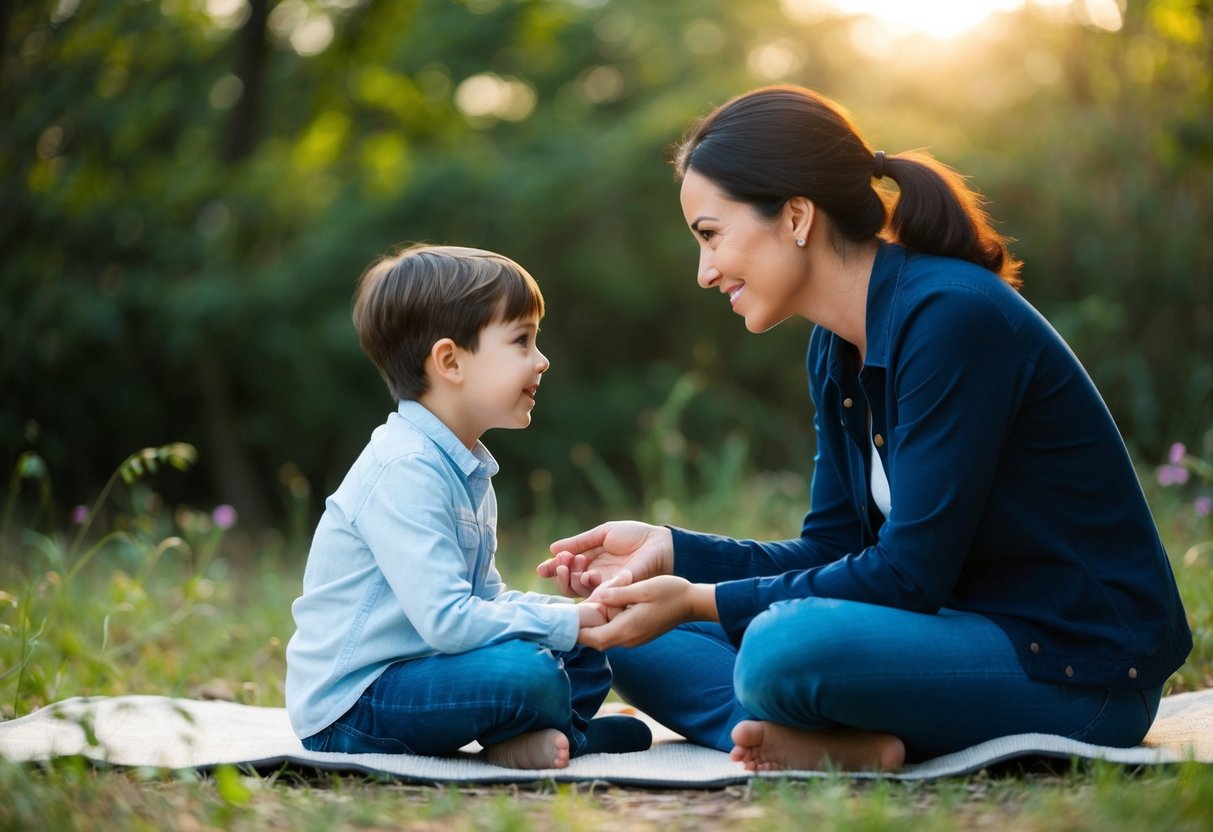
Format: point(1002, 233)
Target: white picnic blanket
point(162, 732)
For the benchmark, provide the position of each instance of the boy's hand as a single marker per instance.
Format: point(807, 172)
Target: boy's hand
point(582, 563)
point(591, 614)
point(562, 570)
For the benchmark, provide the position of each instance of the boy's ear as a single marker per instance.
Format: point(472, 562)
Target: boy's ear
point(444, 358)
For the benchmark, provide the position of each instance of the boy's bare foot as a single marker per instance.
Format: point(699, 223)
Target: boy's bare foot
point(546, 748)
point(767, 746)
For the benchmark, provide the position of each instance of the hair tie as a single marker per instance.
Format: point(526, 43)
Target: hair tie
point(878, 172)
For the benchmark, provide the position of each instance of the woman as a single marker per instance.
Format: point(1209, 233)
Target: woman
point(978, 559)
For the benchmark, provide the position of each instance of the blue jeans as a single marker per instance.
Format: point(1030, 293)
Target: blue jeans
point(435, 705)
point(938, 682)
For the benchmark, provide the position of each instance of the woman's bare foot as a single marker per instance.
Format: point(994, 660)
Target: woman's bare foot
point(546, 748)
point(767, 746)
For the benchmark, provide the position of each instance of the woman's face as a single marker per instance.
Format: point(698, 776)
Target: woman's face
point(752, 260)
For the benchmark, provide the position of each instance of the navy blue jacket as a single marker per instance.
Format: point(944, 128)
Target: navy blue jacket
point(1013, 495)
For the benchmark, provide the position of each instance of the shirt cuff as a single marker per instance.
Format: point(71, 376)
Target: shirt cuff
point(566, 622)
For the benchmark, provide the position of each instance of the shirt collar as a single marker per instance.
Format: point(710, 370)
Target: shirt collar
point(477, 461)
point(882, 288)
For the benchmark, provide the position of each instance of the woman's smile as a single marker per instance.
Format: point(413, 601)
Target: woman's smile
point(749, 257)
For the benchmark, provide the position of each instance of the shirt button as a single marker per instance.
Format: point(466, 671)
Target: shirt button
point(1132, 672)
point(1069, 670)
point(878, 441)
point(848, 403)
point(1035, 647)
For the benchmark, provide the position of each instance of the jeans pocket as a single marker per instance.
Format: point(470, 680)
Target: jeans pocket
point(318, 741)
point(1121, 721)
point(350, 740)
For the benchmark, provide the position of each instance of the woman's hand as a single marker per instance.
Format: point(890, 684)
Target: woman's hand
point(644, 610)
point(621, 551)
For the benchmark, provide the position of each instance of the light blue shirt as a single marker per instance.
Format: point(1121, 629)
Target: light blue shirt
point(402, 567)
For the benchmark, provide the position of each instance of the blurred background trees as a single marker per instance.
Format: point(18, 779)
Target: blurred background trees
point(191, 188)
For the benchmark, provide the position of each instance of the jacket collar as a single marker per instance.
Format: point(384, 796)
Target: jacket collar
point(882, 289)
point(843, 357)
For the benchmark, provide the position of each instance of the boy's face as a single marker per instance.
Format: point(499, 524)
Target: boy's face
point(502, 377)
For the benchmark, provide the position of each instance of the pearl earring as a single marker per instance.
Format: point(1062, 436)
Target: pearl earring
point(800, 242)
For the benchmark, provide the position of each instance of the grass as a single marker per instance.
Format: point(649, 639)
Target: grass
point(142, 597)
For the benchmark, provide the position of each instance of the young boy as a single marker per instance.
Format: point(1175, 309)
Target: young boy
point(407, 640)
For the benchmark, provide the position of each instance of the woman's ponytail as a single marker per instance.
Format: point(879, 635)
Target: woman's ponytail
point(938, 213)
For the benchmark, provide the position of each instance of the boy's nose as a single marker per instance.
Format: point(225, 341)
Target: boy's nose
point(541, 362)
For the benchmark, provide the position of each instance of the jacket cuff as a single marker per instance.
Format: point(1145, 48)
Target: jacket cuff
point(737, 605)
point(696, 556)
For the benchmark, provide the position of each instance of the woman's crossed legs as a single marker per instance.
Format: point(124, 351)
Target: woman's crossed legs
point(820, 679)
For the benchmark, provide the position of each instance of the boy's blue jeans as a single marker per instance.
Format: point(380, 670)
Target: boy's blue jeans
point(938, 682)
point(435, 705)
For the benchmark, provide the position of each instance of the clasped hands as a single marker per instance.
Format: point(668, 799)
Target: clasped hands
point(622, 571)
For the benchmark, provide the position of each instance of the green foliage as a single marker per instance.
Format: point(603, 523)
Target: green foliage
point(117, 608)
point(1181, 490)
point(187, 203)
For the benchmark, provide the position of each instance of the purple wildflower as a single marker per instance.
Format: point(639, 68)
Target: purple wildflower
point(1176, 454)
point(224, 516)
point(1203, 505)
point(79, 515)
point(1168, 475)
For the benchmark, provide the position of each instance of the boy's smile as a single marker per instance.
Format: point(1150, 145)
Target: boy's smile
point(500, 380)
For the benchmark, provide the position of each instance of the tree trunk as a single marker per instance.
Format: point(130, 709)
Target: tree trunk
point(234, 476)
point(250, 69)
point(232, 472)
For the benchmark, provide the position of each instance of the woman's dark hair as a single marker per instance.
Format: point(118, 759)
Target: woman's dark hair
point(775, 143)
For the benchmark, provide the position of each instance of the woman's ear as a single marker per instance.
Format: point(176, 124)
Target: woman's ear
point(444, 361)
point(799, 214)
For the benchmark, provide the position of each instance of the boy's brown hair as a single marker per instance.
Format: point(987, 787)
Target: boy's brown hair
point(406, 302)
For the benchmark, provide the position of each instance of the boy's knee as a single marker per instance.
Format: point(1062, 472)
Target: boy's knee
point(534, 677)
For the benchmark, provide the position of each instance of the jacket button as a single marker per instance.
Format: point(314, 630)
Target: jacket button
point(1069, 670)
point(1035, 647)
point(848, 402)
point(1132, 672)
point(878, 441)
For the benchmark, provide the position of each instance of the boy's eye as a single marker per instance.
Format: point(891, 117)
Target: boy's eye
point(523, 340)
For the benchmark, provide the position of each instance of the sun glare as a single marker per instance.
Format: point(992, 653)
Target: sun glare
point(948, 18)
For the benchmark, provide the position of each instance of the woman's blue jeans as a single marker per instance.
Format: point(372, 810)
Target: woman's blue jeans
point(938, 682)
point(435, 705)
